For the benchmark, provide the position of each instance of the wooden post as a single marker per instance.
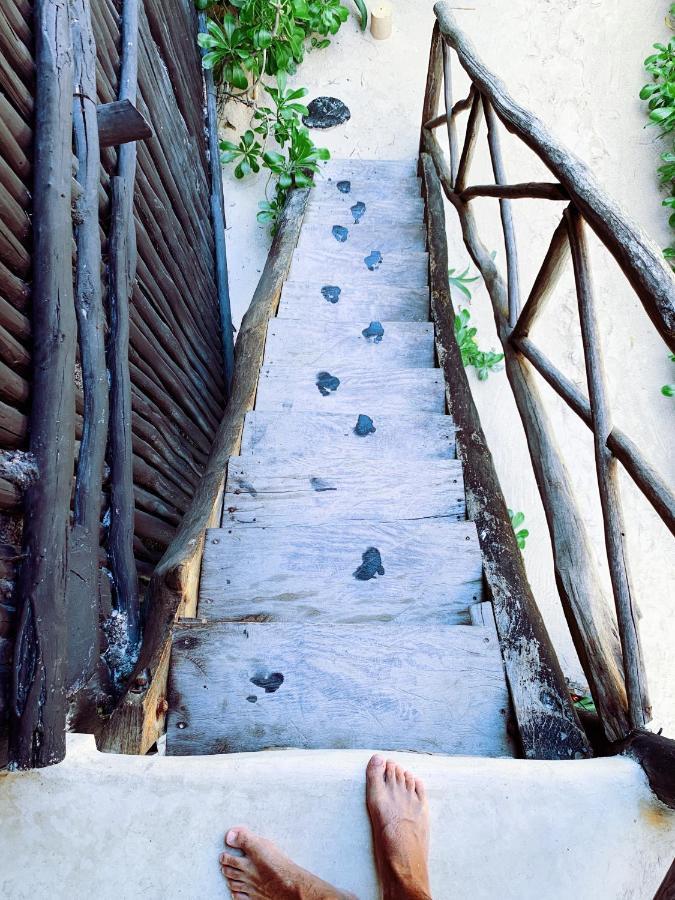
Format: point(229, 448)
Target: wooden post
point(472, 128)
point(546, 720)
point(38, 713)
point(119, 123)
point(122, 271)
point(83, 574)
point(510, 245)
point(218, 219)
point(626, 611)
point(450, 119)
point(432, 91)
point(547, 278)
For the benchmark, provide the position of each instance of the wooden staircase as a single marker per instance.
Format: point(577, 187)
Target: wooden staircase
point(341, 602)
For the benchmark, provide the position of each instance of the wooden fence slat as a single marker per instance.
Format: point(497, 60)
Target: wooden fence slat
point(549, 274)
point(449, 118)
point(532, 190)
point(636, 680)
point(38, 713)
point(122, 271)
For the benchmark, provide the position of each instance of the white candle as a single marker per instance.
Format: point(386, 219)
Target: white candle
point(380, 21)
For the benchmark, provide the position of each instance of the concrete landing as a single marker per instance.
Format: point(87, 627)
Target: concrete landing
point(151, 827)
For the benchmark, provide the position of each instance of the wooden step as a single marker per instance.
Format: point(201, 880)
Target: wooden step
point(349, 390)
point(351, 303)
point(374, 268)
point(373, 168)
point(392, 238)
point(245, 687)
point(287, 491)
point(371, 214)
point(348, 437)
point(364, 188)
point(384, 345)
point(412, 572)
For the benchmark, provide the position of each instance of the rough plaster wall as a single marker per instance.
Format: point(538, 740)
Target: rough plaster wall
point(578, 65)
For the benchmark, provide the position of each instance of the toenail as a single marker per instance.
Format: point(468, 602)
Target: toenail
point(231, 837)
point(378, 760)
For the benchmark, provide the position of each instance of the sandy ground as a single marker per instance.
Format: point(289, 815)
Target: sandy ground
point(578, 65)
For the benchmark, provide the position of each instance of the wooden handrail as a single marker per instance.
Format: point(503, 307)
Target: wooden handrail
point(607, 661)
point(641, 260)
point(138, 719)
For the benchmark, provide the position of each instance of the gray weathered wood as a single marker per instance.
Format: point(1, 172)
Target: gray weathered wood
point(376, 213)
point(531, 190)
point(294, 342)
point(368, 189)
point(639, 707)
point(470, 140)
point(294, 492)
point(371, 686)
point(547, 723)
point(413, 572)
point(304, 300)
point(400, 391)
point(307, 435)
point(588, 613)
point(453, 142)
point(344, 167)
point(393, 238)
point(553, 266)
point(120, 122)
point(640, 258)
point(400, 269)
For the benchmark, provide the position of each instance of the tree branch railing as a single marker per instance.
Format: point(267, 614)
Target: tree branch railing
point(609, 649)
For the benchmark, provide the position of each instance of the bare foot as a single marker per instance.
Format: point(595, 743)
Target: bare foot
point(264, 873)
point(399, 817)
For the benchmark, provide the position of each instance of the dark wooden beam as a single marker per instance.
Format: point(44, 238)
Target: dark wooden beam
point(138, 719)
point(434, 83)
point(553, 266)
point(218, 219)
point(547, 724)
point(83, 568)
point(470, 139)
point(531, 190)
point(38, 706)
point(120, 122)
point(122, 272)
point(640, 258)
point(667, 888)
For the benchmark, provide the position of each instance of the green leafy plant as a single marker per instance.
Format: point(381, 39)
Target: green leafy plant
point(363, 13)
point(461, 280)
point(522, 534)
point(660, 96)
point(484, 361)
point(668, 390)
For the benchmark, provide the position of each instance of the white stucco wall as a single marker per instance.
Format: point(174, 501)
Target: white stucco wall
point(126, 828)
point(578, 65)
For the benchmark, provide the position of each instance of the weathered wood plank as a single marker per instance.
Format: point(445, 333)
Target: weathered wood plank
point(372, 214)
point(338, 168)
point(290, 492)
point(392, 238)
point(413, 572)
point(403, 391)
point(400, 269)
point(384, 345)
point(386, 437)
point(347, 191)
point(337, 686)
point(120, 122)
point(353, 303)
